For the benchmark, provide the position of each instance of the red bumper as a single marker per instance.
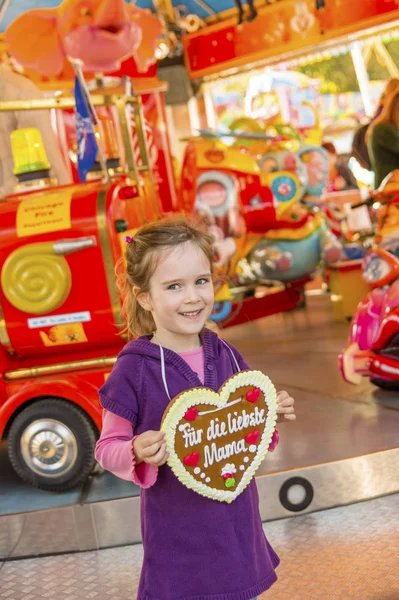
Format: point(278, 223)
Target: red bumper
point(356, 363)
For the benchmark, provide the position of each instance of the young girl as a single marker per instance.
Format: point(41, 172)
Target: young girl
point(194, 548)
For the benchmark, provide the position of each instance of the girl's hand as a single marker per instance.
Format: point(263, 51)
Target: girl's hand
point(150, 447)
point(285, 407)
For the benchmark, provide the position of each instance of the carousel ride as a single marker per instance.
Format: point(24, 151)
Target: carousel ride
point(60, 310)
point(59, 340)
point(373, 350)
point(61, 319)
point(253, 195)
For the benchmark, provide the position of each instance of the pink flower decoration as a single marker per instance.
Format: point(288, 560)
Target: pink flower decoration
point(128, 239)
point(274, 441)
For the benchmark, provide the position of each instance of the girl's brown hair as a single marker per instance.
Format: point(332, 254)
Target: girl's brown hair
point(385, 116)
point(392, 86)
point(142, 256)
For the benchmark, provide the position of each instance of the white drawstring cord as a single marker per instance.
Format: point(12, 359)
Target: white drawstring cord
point(163, 370)
point(232, 354)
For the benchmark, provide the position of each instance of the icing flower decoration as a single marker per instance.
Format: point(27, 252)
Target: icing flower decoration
point(229, 468)
point(228, 475)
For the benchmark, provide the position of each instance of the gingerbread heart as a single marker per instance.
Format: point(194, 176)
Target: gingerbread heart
point(216, 441)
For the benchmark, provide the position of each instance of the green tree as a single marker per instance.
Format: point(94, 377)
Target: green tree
point(376, 70)
point(337, 74)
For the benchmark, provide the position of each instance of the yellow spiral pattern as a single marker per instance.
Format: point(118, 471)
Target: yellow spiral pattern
point(35, 280)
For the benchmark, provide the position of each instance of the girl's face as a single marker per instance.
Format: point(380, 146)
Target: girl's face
point(181, 295)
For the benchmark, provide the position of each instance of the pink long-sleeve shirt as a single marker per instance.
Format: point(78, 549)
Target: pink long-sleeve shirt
point(114, 449)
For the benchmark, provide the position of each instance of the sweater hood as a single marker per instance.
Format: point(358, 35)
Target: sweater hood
point(139, 363)
point(213, 347)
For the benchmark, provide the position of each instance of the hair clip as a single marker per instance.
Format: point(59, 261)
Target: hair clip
point(128, 239)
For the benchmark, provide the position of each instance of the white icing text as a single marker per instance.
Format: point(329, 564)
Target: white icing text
point(245, 420)
point(191, 436)
point(215, 454)
point(218, 429)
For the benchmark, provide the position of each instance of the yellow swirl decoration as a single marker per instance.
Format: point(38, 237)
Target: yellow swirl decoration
point(35, 280)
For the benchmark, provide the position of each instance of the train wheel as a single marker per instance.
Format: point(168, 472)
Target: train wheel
point(51, 445)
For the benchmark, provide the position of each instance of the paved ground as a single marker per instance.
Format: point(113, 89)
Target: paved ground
point(341, 554)
point(349, 553)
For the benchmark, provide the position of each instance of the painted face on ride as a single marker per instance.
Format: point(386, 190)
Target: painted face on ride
point(212, 193)
point(181, 293)
point(316, 167)
point(99, 33)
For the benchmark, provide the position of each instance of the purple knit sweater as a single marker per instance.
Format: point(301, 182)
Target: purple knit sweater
point(194, 548)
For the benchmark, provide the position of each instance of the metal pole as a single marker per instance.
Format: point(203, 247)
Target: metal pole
point(137, 116)
point(382, 52)
point(124, 114)
point(209, 106)
point(209, 9)
point(362, 77)
point(165, 9)
point(3, 8)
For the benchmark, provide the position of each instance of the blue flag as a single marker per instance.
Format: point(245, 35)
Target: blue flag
point(85, 134)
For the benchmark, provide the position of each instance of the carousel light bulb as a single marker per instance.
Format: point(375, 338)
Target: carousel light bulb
point(162, 50)
point(28, 151)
